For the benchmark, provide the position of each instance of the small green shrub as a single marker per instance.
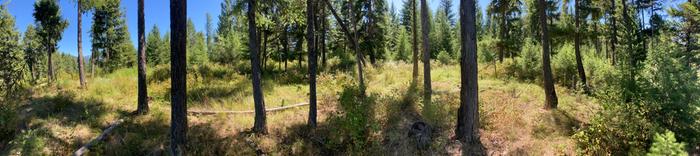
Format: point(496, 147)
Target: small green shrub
point(8, 121)
point(528, 66)
point(355, 122)
point(445, 58)
point(29, 142)
point(666, 145)
point(616, 131)
point(564, 66)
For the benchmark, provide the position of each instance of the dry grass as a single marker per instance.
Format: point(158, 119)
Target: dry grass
point(512, 119)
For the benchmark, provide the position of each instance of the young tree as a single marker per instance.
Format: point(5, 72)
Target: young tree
point(425, 27)
point(550, 93)
point(352, 40)
point(178, 66)
point(34, 52)
point(467, 129)
point(82, 8)
point(310, 36)
point(111, 46)
point(10, 56)
point(143, 92)
point(156, 53)
point(51, 25)
point(260, 125)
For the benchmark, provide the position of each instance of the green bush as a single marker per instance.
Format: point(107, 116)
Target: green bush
point(445, 58)
point(355, 122)
point(616, 131)
point(666, 145)
point(600, 74)
point(528, 66)
point(29, 143)
point(8, 121)
point(564, 66)
point(486, 49)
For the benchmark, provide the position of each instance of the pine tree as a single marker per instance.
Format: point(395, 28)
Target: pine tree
point(50, 27)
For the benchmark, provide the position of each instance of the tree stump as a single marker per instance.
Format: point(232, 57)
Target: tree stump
point(420, 132)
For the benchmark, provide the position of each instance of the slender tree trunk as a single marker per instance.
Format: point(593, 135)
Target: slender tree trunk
point(310, 36)
point(577, 47)
point(425, 27)
point(596, 41)
point(550, 94)
point(613, 38)
point(285, 46)
point(372, 51)
point(414, 32)
point(80, 46)
point(299, 49)
point(178, 65)
point(260, 125)
point(467, 129)
point(51, 50)
point(143, 92)
point(501, 43)
point(323, 36)
point(353, 40)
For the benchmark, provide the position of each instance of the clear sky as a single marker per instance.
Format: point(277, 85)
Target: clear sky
point(156, 12)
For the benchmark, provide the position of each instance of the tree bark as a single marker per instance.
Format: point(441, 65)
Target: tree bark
point(51, 50)
point(577, 47)
point(425, 27)
point(310, 36)
point(613, 38)
point(353, 40)
point(143, 89)
point(415, 40)
point(178, 65)
point(81, 71)
point(260, 125)
point(467, 129)
point(550, 94)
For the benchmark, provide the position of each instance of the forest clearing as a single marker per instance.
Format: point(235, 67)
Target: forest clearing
point(350, 77)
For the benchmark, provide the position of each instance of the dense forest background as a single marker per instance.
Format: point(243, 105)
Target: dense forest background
point(586, 77)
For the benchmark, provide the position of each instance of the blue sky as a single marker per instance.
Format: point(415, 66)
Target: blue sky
point(156, 12)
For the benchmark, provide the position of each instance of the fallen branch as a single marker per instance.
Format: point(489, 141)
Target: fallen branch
point(86, 147)
point(205, 112)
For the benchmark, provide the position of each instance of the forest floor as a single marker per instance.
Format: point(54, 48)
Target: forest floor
point(60, 118)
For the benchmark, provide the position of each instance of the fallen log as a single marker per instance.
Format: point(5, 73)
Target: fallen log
point(206, 112)
point(86, 147)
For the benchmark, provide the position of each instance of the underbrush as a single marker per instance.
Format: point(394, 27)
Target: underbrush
point(355, 125)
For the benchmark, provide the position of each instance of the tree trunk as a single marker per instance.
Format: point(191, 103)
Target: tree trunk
point(143, 93)
point(353, 40)
point(415, 40)
point(285, 46)
point(613, 38)
point(550, 93)
point(467, 129)
point(577, 47)
point(178, 65)
point(310, 36)
point(372, 51)
point(81, 72)
point(323, 37)
point(50, 63)
point(425, 27)
point(260, 118)
point(501, 43)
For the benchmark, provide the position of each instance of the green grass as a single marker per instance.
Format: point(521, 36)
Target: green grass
point(63, 117)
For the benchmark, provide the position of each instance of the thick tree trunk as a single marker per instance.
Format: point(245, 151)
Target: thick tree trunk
point(81, 71)
point(550, 94)
point(143, 92)
point(577, 47)
point(467, 129)
point(310, 36)
point(178, 65)
point(260, 125)
point(414, 32)
point(425, 27)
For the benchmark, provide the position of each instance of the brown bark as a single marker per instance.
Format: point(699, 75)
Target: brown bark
point(353, 40)
point(613, 38)
point(143, 89)
point(577, 47)
point(467, 129)
point(550, 94)
point(178, 65)
point(81, 71)
point(425, 27)
point(414, 32)
point(260, 125)
point(310, 36)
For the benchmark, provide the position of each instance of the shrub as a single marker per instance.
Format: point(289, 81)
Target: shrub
point(528, 66)
point(616, 131)
point(564, 66)
point(445, 58)
point(665, 145)
point(355, 122)
point(8, 121)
